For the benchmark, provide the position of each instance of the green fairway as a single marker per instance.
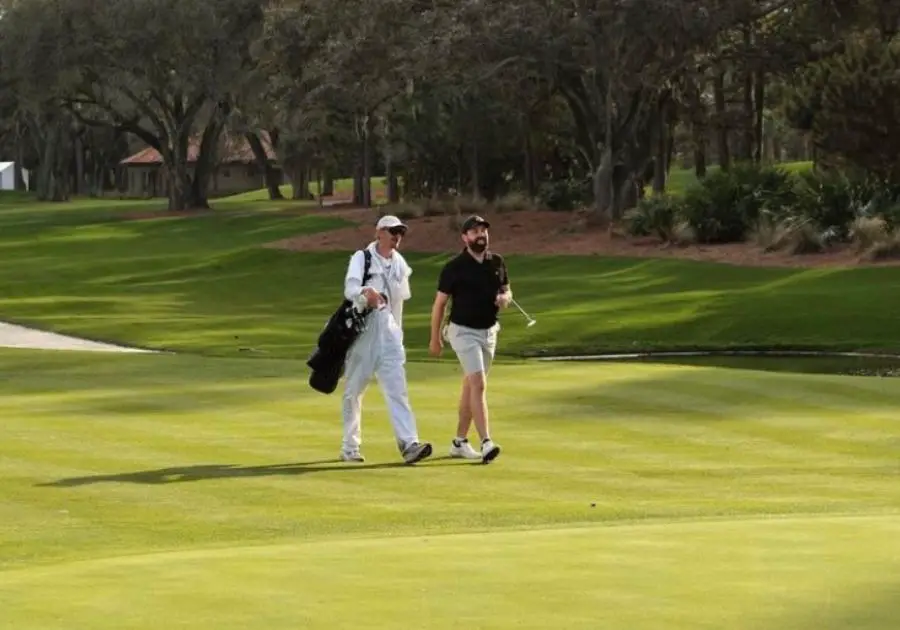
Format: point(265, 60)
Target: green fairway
point(163, 491)
point(772, 573)
point(206, 285)
point(202, 489)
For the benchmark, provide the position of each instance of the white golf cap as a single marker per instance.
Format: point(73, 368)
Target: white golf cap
point(389, 221)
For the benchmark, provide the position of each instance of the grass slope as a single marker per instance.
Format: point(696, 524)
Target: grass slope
point(165, 491)
point(206, 285)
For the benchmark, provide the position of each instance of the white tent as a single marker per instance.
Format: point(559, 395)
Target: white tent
point(8, 176)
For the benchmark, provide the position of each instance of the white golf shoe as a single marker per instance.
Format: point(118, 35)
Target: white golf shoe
point(461, 449)
point(489, 451)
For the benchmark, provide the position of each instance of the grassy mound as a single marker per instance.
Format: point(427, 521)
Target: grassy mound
point(204, 284)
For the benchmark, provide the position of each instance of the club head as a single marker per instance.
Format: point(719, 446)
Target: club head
point(531, 322)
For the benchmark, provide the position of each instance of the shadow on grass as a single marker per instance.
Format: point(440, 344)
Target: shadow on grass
point(874, 608)
point(210, 472)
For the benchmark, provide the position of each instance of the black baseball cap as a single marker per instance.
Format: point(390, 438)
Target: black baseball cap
point(473, 221)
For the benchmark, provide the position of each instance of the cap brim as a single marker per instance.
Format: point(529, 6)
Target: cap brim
point(468, 226)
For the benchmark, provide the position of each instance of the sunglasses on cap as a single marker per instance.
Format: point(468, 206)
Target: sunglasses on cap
point(397, 231)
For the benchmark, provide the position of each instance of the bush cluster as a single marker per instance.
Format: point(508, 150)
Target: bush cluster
point(456, 206)
point(804, 212)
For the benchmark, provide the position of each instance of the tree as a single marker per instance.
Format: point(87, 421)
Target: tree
point(166, 71)
point(851, 105)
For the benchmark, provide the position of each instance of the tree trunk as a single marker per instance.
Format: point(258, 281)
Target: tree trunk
point(175, 167)
point(475, 168)
point(759, 98)
point(179, 188)
point(270, 175)
point(18, 176)
point(298, 174)
point(661, 157)
point(629, 194)
point(603, 187)
point(359, 165)
point(748, 136)
point(529, 166)
point(393, 189)
point(604, 174)
point(773, 142)
point(97, 179)
point(327, 183)
point(53, 169)
point(358, 184)
point(392, 192)
point(205, 165)
point(368, 132)
point(698, 120)
point(78, 188)
point(721, 122)
point(700, 161)
point(19, 179)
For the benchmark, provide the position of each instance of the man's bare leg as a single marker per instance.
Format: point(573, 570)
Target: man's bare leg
point(478, 402)
point(465, 410)
point(461, 447)
point(478, 387)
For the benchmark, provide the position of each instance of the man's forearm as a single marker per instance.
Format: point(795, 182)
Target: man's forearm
point(437, 316)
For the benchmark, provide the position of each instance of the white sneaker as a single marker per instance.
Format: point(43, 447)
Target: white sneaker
point(352, 456)
point(415, 452)
point(489, 451)
point(461, 449)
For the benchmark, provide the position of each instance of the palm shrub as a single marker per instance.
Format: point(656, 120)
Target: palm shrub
point(656, 215)
point(728, 204)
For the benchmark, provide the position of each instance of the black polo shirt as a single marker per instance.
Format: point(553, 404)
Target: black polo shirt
point(473, 286)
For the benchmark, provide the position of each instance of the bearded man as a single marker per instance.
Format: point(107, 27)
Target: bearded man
point(477, 281)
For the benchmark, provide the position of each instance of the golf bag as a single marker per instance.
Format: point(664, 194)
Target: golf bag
point(341, 330)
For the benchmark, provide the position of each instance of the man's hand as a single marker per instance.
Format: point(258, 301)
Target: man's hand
point(373, 298)
point(435, 346)
point(503, 299)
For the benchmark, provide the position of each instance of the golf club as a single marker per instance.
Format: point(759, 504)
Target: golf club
point(531, 320)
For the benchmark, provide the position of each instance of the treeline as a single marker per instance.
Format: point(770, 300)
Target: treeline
point(570, 103)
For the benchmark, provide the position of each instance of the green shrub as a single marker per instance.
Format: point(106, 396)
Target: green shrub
point(656, 215)
point(728, 204)
point(830, 200)
point(513, 202)
point(567, 194)
point(833, 201)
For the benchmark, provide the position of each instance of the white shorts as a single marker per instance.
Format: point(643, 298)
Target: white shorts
point(475, 347)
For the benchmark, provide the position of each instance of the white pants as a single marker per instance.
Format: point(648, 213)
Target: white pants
point(378, 352)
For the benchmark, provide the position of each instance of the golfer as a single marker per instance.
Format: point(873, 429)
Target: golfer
point(478, 283)
point(379, 350)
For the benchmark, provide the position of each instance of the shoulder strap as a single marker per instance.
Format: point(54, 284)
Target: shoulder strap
point(368, 261)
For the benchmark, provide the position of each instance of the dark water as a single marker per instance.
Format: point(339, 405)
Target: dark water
point(846, 365)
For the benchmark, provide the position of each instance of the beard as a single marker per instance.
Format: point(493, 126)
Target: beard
point(478, 245)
